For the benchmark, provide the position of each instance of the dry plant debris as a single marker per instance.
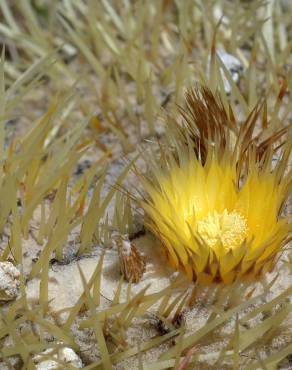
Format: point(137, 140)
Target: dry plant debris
point(132, 264)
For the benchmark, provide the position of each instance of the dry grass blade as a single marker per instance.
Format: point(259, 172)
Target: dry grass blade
point(106, 361)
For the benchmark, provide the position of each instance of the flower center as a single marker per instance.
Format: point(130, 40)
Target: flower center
point(223, 229)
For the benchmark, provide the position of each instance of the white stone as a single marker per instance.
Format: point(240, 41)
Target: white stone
point(9, 281)
point(47, 365)
point(65, 354)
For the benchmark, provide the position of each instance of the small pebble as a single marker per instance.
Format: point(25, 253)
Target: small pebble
point(9, 281)
point(65, 354)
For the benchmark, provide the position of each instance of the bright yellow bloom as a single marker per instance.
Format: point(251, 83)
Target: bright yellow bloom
point(218, 221)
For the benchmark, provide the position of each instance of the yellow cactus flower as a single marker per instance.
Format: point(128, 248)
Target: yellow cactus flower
point(214, 199)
